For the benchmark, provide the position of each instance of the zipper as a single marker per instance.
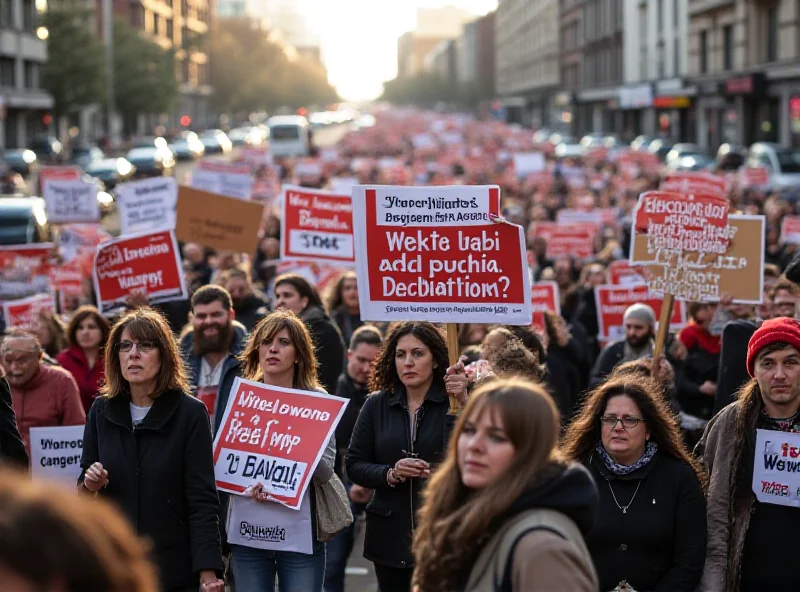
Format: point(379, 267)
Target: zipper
point(412, 454)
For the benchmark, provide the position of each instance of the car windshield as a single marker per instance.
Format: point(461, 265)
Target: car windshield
point(285, 132)
point(141, 153)
point(789, 161)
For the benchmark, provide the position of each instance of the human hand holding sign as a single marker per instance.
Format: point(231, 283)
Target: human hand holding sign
point(95, 478)
point(456, 381)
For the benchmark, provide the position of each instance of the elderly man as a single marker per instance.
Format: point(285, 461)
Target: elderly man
point(43, 395)
point(639, 323)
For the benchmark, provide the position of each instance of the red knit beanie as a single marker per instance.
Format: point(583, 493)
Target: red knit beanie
point(772, 331)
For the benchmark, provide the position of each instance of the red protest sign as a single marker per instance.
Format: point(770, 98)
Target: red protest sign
point(544, 297)
point(622, 273)
point(694, 183)
point(576, 240)
point(434, 254)
point(755, 176)
point(24, 270)
point(316, 225)
point(24, 313)
point(274, 436)
point(790, 230)
point(147, 263)
point(613, 301)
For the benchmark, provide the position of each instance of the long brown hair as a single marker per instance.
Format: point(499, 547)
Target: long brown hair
point(305, 371)
point(454, 519)
point(583, 434)
point(384, 375)
point(83, 313)
point(333, 297)
point(144, 324)
point(68, 543)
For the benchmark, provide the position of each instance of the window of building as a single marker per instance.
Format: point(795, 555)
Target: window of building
point(170, 28)
point(8, 73)
point(727, 47)
point(31, 75)
point(28, 15)
point(156, 25)
point(137, 16)
point(676, 57)
point(676, 17)
point(772, 33)
point(660, 16)
point(703, 52)
point(6, 13)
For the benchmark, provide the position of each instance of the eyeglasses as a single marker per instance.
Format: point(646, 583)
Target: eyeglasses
point(628, 422)
point(145, 346)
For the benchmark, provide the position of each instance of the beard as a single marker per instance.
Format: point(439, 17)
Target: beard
point(637, 342)
point(220, 342)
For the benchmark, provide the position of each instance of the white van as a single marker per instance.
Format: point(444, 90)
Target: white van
point(289, 136)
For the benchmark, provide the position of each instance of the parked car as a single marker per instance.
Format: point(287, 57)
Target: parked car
point(245, 136)
point(23, 161)
point(23, 220)
point(542, 135)
point(731, 157)
point(692, 162)
point(568, 147)
point(187, 146)
point(85, 155)
point(111, 171)
point(591, 140)
point(782, 163)
point(151, 162)
point(216, 142)
point(642, 142)
point(47, 148)
point(660, 147)
point(683, 149)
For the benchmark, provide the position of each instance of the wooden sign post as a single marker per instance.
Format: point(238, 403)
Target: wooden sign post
point(452, 354)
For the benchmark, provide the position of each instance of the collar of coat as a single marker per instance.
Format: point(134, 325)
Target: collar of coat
point(435, 394)
point(164, 407)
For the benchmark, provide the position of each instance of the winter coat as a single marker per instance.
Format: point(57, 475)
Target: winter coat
point(329, 347)
point(659, 544)
point(161, 476)
point(346, 322)
point(612, 355)
point(49, 399)
point(12, 448)
point(733, 361)
point(347, 388)
point(381, 437)
point(89, 380)
point(542, 559)
point(252, 309)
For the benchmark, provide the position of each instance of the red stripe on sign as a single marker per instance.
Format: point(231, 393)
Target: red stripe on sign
point(494, 200)
point(370, 226)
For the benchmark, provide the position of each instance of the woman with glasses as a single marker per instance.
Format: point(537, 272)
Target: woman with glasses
point(651, 529)
point(147, 447)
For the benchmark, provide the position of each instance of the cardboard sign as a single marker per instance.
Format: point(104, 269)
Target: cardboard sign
point(613, 301)
point(790, 230)
point(274, 436)
point(24, 270)
point(147, 205)
point(526, 163)
point(776, 468)
point(433, 254)
point(694, 183)
point(738, 271)
point(24, 313)
point(545, 297)
point(71, 201)
point(216, 221)
point(56, 453)
point(754, 176)
point(622, 273)
point(316, 225)
point(575, 240)
point(149, 263)
point(233, 180)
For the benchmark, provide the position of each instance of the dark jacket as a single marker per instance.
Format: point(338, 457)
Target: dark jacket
point(381, 437)
point(659, 544)
point(161, 475)
point(346, 322)
point(252, 309)
point(733, 361)
point(347, 388)
point(89, 380)
point(329, 347)
point(612, 355)
point(12, 448)
point(193, 362)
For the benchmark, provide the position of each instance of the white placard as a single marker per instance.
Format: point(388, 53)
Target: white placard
point(776, 468)
point(56, 453)
point(71, 201)
point(270, 526)
point(233, 180)
point(526, 163)
point(147, 205)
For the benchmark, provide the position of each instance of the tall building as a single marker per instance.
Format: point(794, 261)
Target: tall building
point(744, 59)
point(571, 20)
point(528, 70)
point(433, 26)
point(23, 103)
point(475, 55)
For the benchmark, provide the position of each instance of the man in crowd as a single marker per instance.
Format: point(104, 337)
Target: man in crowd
point(43, 395)
point(352, 384)
point(249, 304)
point(210, 347)
point(639, 322)
point(750, 543)
point(12, 448)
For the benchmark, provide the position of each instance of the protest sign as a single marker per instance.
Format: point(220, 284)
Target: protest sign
point(316, 225)
point(58, 173)
point(24, 312)
point(598, 217)
point(695, 183)
point(343, 185)
point(790, 230)
point(67, 281)
point(274, 436)
point(147, 205)
point(271, 526)
point(575, 240)
point(255, 156)
point(544, 297)
point(216, 221)
point(149, 263)
point(233, 180)
point(56, 453)
point(622, 273)
point(613, 301)
point(434, 254)
point(71, 201)
point(77, 243)
point(526, 163)
point(24, 270)
point(754, 176)
point(308, 168)
point(776, 468)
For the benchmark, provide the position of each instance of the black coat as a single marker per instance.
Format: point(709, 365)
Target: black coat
point(329, 347)
point(381, 437)
point(161, 475)
point(347, 388)
point(660, 543)
point(252, 309)
point(12, 448)
point(346, 322)
point(733, 361)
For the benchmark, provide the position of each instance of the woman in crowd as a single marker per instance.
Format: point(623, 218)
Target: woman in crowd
point(63, 543)
point(503, 508)
point(279, 353)
point(566, 364)
point(652, 519)
point(52, 334)
point(401, 432)
point(342, 303)
point(87, 334)
point(147, 447)
point(293, 292)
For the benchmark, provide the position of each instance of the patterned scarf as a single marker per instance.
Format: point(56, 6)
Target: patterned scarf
point(618, 469)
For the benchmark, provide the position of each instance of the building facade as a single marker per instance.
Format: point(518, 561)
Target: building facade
point(24, 106)
point(528, 69)
point(570, 23)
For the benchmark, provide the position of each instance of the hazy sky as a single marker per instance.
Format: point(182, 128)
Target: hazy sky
point(359, 38)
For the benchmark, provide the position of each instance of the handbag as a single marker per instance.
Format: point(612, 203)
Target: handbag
point(333, 508)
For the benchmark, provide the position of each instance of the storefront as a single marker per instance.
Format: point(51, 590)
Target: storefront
point(563, 112)
point(638, 117)
point(757, 114)
point(674, 110)
point(596, 111)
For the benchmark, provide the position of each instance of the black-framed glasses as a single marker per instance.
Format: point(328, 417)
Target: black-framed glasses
point(628, 422)
point(144, 346)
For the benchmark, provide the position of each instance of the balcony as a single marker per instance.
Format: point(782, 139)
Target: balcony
point(697, 7)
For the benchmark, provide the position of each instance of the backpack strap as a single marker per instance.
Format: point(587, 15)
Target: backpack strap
point(507, 584)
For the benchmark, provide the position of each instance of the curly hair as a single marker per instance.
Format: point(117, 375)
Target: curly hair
point(583, 434)
point(384, 375)
point(513, 359)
